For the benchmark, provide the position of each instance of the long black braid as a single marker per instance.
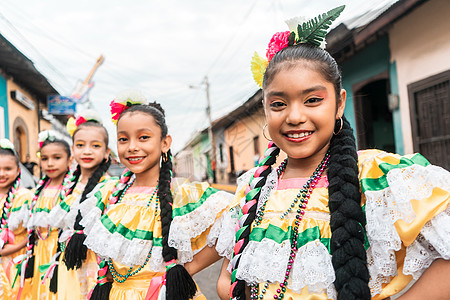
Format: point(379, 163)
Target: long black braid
point(347, 218)
point(76, 252)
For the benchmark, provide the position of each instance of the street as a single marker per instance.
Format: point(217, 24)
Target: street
point(207, 280)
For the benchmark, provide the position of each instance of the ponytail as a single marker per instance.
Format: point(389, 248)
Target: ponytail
point(347, 218)
point(248, 215)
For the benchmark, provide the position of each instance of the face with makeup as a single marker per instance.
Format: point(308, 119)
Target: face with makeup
point(9, 170)
point(89, 147)
point(301, 110)
point(140, 144)
point(54, 161)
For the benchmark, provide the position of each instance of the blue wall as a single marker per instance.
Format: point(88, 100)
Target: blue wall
point(4, 104)
point(371, 61)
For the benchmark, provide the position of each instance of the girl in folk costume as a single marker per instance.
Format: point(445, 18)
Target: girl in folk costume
point(330, 223)
point(74, 267)
point(153, 224)
point(54, 154)
point(14, 202)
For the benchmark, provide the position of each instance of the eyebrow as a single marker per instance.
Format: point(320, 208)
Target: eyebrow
point(307, 91)
point(138, 130)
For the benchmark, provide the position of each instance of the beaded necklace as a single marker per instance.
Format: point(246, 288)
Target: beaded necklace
point(301, 200)
point(119, 277)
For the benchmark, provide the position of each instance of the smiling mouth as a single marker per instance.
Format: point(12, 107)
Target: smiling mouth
point(87, 159)
point(298, 135)
point(53, 170)
point(135, 160)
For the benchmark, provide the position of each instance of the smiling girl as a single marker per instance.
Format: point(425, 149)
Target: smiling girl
point(74, 267)
point(54, 154)
point(14, 203)
point(152, 224)
point(331, 223)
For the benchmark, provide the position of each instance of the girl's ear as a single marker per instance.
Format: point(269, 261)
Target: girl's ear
point(341, 104)
point(166, 142)
point(108, 151)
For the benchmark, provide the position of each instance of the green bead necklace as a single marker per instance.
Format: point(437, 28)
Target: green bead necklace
point(122, 278)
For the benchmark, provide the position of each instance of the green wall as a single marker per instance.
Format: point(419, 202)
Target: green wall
point(371, 61)
point(4, 104)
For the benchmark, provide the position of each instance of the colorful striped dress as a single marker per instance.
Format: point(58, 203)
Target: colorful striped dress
point(17, 224)
point(405, 200)
point(129, 233)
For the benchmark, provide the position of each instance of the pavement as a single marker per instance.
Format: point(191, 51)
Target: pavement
point(207, 280)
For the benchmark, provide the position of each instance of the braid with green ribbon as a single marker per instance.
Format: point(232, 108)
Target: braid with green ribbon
point(247, 216)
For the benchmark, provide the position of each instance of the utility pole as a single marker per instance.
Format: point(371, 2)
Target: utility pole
point(211, 137)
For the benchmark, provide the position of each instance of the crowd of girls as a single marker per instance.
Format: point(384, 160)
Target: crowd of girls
point(328, 222)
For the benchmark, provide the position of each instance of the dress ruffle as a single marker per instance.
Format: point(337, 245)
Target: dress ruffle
point(130, 229)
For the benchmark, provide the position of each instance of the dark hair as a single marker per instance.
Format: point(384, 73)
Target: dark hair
point(65, 145)
point(92, 123)
point(320, 60)
point(10, 152)
point(179, 284)
point(153, 109)
point(347, 218)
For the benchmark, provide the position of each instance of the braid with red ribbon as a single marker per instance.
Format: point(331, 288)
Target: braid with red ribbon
point(248, 214)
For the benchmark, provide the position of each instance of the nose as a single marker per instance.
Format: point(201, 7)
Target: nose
point(132, 145)
point(295, 114)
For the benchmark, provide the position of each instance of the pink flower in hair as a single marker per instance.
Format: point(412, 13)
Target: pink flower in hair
point(279, 41)
point(116, 109)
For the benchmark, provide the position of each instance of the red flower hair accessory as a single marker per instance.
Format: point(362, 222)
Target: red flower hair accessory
point(125, 100)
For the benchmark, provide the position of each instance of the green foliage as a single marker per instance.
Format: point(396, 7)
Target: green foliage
point(314, 31)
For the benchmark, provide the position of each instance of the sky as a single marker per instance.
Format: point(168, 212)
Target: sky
point(163, 48)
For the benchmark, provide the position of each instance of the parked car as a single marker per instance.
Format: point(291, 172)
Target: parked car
point(27, 178)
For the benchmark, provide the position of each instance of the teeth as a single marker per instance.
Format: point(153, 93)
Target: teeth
point(135, 159)
point(298, 135)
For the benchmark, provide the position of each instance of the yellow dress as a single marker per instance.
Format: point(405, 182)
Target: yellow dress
point(131, 229)
point(76, 283)
point(19, 216)
point(47, 240)
point(406, 204)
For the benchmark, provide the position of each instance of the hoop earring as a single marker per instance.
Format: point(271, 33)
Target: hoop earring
point(263, 132)
point(164, 157)
point(340, 128)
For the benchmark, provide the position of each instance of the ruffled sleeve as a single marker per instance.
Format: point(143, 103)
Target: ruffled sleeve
point(20, 210)
point(226, 239)
point(197, 221)
point(408, 216)
point(95, 204)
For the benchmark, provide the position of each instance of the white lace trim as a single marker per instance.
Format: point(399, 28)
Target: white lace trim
point(56, 217)
point(432, 243)
point(267, 261)
point(184, 228)
point(385, 207)
point(226, 238)
point(38, 219)
point(18, 217)
point(115, 246)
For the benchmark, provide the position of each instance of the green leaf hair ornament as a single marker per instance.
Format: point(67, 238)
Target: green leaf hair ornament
point(311, 32)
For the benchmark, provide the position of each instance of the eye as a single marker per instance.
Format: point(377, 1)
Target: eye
point(79, 145)
point(97, 146)
point(144, 137)
point(44, 158)
point(314, 100)
point(57, 157)
point(277, 104)
point(122, 139)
